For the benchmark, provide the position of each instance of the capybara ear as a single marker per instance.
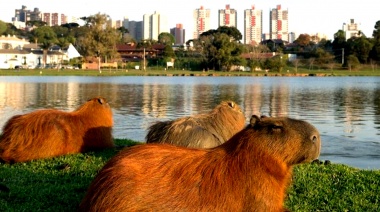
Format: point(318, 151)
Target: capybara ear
point(254, 120)
point(231, 104)
point(101, 100)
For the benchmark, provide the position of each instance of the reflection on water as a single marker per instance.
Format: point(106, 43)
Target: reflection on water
point(346, 110)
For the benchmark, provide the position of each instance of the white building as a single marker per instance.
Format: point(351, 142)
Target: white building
point(278, 24)
point(228, 17)
point(201, 21)
point(253, 26)
point(19, 52)
point(351, 29)
point(153, 25)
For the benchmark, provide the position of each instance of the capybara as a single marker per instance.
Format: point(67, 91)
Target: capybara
point(249, 172)
point(49, 132)
point(202, 130)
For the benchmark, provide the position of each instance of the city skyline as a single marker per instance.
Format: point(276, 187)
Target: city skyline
point(325, 17)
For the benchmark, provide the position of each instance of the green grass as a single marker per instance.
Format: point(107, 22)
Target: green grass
point(365, 71)
point(59, 184)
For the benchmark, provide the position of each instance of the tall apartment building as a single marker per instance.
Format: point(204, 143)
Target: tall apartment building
point(253, 26)
point(125, 22)
point(135, 29)
point(227, 17)
point(54, 19)
point(179, 34)
point(278, 24)
point(25, 15)
point(351, 29)
point(153, 25)
point(201, 21)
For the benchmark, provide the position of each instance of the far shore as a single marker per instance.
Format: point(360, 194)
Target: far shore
point(173, 72)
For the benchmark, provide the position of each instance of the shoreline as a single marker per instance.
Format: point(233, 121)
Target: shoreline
point(173, 73)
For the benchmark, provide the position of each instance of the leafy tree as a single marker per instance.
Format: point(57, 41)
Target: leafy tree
point(70, 25)
point(233, 32)
point(353, 62)
point(166, 38)
point(360, 47)
point(3, 27)
point(219, 51)
point(64, 36)
point(375, 52)
point(322, 57)
point(99, 38)
point(303, 40)
point(275, 63)
point(123, 30)
point(168, 52)
point(147, 44)
point(338, 44)
point(45, 37)
point(36, 23)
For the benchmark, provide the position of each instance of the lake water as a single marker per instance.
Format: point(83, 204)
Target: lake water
point(346, 110)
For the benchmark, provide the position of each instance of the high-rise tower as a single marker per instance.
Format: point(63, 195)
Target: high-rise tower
point(201, 21)
point(228, 17)
point(153, 25)
point(278, 24)
point(253, 26)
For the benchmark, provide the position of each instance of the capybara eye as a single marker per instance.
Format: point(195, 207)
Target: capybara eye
point(276, 128)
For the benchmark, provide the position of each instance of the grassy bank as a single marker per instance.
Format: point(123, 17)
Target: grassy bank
point(59, 184)
point(155, 72)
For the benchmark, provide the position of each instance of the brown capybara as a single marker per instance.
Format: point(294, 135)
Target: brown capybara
point(249, 172)
point(49, 133)
point(202, 130)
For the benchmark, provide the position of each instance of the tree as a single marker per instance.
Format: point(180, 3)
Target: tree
point(220, 52)
point(46, 38)
point(275, 63)
point(99, 40)
point(232, 32)
point(166, 38)
point(3, 27)
point(36, 23)
point(303, 40)
point(168, 52)
point(353, 62)
point(375, 51)
point(360, 47)
point(339, 44)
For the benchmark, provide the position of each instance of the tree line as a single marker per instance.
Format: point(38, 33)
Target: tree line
point(216, 49)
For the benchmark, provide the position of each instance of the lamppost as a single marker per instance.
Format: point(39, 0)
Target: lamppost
point(98, 52)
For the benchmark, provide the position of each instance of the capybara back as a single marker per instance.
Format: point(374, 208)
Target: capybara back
point(249, 172)
point(49, 133)
point(203, 130)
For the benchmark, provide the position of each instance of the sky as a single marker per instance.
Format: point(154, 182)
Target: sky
point(311, 17)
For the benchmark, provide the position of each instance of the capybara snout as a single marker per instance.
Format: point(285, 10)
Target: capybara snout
point(298, 135)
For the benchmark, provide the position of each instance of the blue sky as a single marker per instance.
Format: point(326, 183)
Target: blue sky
point(324, 16)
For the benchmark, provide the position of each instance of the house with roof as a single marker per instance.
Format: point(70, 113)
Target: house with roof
point(16, 51)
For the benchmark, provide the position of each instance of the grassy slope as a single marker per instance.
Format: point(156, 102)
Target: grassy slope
point(59, 184)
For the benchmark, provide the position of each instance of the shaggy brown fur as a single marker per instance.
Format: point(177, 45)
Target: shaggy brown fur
point(202, 130)
point(250, 172)
point(49, 133)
